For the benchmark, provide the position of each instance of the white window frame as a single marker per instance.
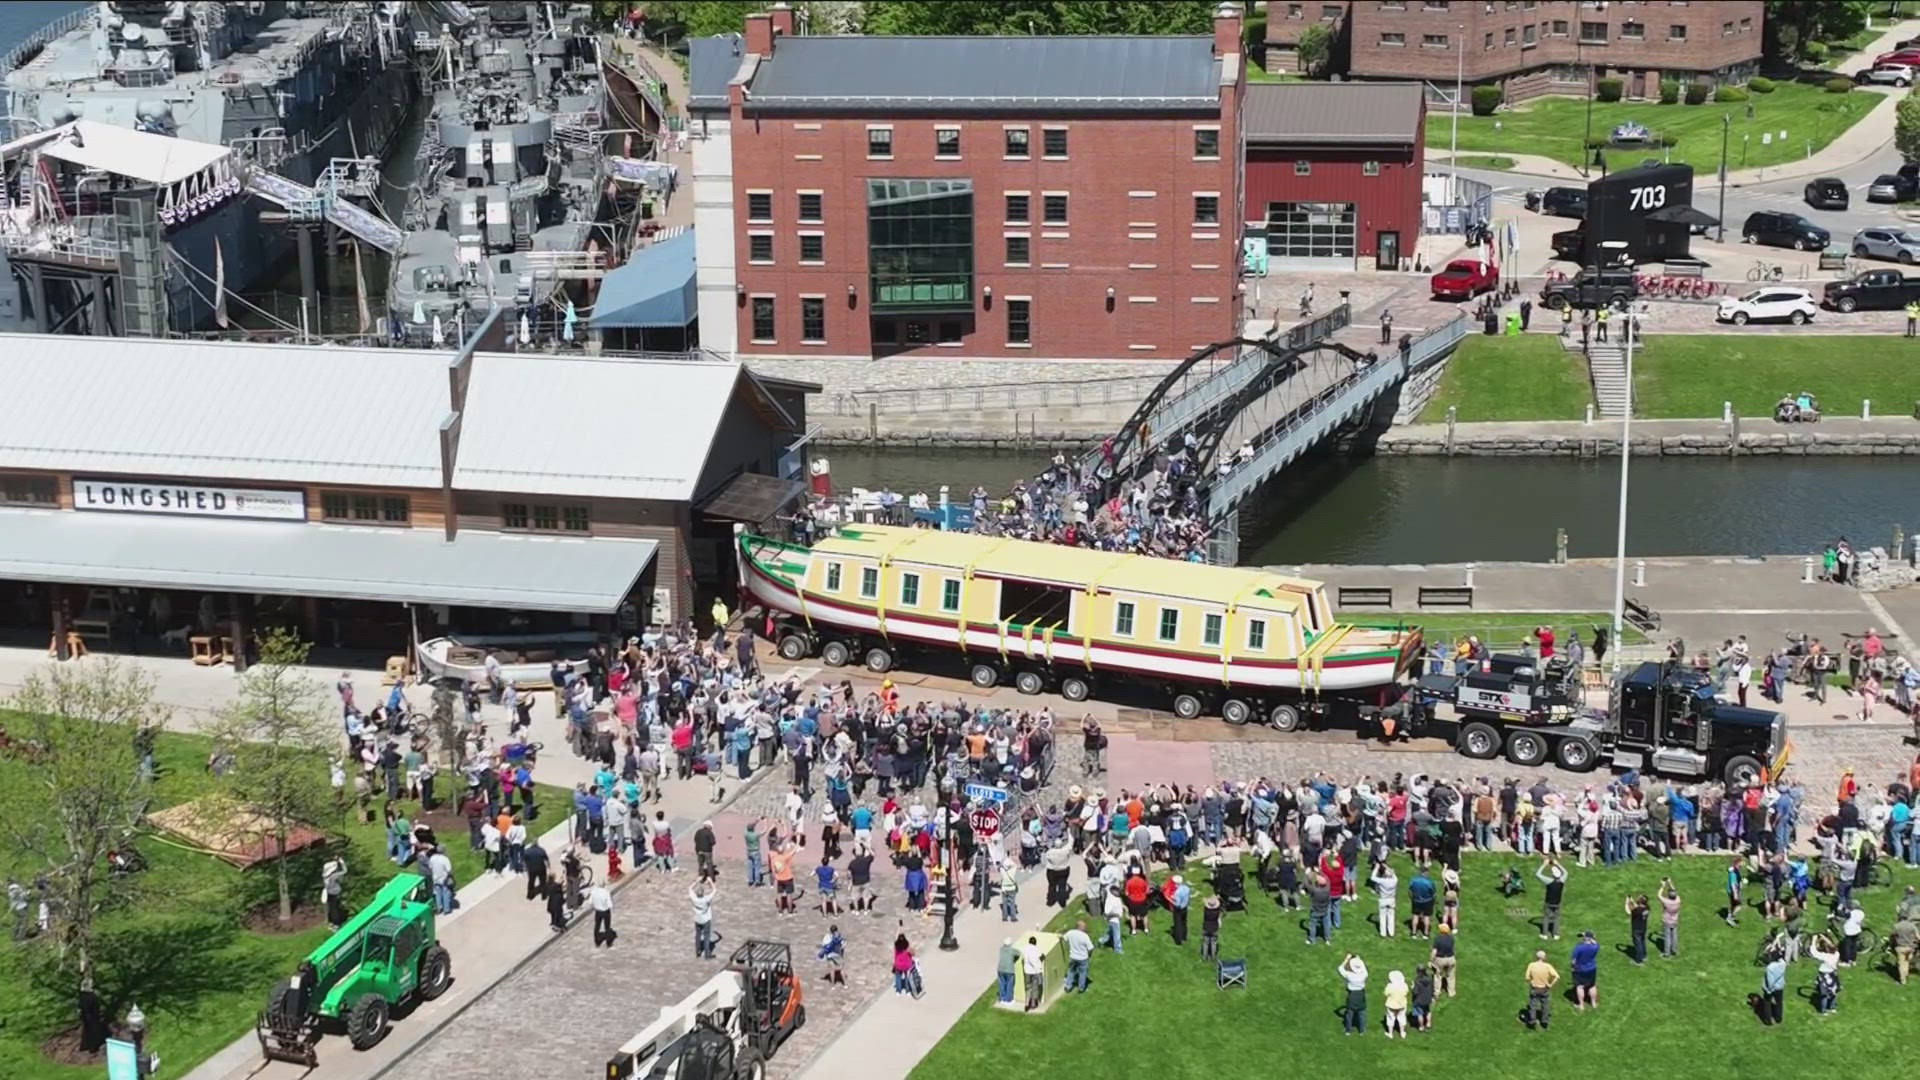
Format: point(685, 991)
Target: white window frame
point(1004, 155)
point(1256, 635)
point(822, 234)
point(1132, 613)
point(1044, 196)
point(937, 154)
point(888, 156)
point(1213, 629)
point(834, 577)
point(1302, 167)
point(1028, 195)
point(1017, 234)
point(1160, 625)
point(950, 585)
point(1218, 209)
point(1044, 128)
point(821, 220)
point(869, 573)
point(1194, 149)
point(1369, 168)
point(769, 234)
point(907, 578)
point(751, 220)
point(804, 339)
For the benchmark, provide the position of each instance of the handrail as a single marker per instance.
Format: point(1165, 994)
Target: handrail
point(1116, 389)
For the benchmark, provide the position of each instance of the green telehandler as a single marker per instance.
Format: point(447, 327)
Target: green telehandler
point(384, 956)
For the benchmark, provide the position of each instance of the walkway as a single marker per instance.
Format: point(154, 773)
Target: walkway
point(647, 60)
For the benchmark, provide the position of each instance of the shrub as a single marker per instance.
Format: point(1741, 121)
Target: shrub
point(1669, 91)
point(1839, 85)
point(1760, 84)
point(1814, 52)
point(1696, 93)
point(1486, 99)
point(1729, 93)
point(1608, 89)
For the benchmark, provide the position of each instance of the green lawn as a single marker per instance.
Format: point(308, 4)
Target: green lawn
point(1156, 1009)
point(1257, 74)
point(1685, 375)
point(218, 976)
point(1557, 127)
point(1485, 161)
point(1527, 377)
point(1499, 629)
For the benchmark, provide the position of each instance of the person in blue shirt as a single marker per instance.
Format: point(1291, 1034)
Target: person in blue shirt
point(1420, 892)
point(823, 876)
point(1773, 991)
point(1586, 972)
point(1899, 823)
point(743, 749)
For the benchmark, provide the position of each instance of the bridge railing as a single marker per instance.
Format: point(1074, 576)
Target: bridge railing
point(1078, 393)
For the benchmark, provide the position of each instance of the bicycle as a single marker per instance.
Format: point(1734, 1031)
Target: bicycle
point(1767, 272)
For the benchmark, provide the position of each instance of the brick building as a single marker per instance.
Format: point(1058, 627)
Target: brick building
point(1333, 171)
point(1550, 46)
point(1060, 197)
point(1287, 20)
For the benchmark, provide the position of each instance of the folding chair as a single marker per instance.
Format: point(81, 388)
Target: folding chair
point(1232, 973)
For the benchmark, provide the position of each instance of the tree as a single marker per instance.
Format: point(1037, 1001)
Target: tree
point(1791, 24)
point(1039, 17)
point(84, 797)
point(280, 734)
point(1906, 126)
point(1316, 45)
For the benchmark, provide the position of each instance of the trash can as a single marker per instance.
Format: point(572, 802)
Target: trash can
point(1493, 322)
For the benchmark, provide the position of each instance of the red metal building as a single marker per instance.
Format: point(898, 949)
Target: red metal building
point(1333, 172)
point(1066, 197)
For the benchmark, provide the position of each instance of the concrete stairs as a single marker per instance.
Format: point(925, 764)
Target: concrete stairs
point(1607, 371)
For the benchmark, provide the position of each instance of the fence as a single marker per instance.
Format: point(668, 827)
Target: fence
point(1453, 203)
point(1115, 390)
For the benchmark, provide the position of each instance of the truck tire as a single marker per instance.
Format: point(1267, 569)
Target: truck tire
point(1741, 770)
point(836, 654)
point(749, 1065)
point(1576, 754)
point(984, 676)
point(1846, 304)
point(1188, 706)
point(879, 660)
point(367, 1021)
point(1479, 741)
point(1750, 238)
point(1798, 318)
point(1030, 682)
point(1284, 718)
point(1236, 711)
point(1527, 748)
point(1076, 688)
point(795, 647)
point(436, 972)
point(1557, 302)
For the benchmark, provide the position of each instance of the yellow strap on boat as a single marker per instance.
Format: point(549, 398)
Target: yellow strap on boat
point(1046, 637)
point(1026, 641)
point(1226, 631)
point(966, 590)
point(1003, 624)
point(1322, 647)
point(886, 559)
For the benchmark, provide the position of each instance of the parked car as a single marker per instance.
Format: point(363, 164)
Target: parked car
point(1464, 279)
point(1769, 304)
point(1890, 187)
point(1591, 289)
point(1779, 229)
point(1887, 243)
point(1563, 202)
point(1890, 74)
point(1827, 193)
point(1872, 290)
point(1907, 53)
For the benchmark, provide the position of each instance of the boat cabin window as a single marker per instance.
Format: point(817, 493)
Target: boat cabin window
point(1169, 624)
point(1212, 629)
point(910, 590)
point(833, 577)
point(950, 594)
point(870, 582)
point(1123, 618)
point(1038, 606)
point(1256, 635)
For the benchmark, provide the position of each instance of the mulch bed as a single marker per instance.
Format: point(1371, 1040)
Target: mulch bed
point(63, 1048)
point(265, 919)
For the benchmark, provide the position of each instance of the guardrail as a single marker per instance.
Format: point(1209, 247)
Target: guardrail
point(37, 40)
point(1115, 390)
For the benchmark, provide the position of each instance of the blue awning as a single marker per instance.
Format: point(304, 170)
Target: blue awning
point(654, 289)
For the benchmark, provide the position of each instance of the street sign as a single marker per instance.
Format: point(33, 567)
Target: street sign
point(986, 793)
point(985, 822)
point(123, 1061)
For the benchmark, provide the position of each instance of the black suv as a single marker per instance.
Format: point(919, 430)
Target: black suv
point(1591, 289)
point(1559, 202)
point(1777, 229)
point(1827, 193)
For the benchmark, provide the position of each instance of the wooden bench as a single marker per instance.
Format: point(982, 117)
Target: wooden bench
point(1640, 616)
point(1364, 596)
point(204, 653)
point(1446, 596)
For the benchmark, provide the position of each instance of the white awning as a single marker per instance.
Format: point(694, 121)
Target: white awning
point(496, 570)
point(157, 159)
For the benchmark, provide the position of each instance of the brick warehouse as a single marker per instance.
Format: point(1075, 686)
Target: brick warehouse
point(1063, 197)
point(1551, 46)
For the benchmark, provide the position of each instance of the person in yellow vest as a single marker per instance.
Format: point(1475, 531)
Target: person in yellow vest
point(720, 616)
point(1601, 317)
point(1913, 317)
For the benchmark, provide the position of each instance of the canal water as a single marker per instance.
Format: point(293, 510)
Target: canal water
point(1431, 510)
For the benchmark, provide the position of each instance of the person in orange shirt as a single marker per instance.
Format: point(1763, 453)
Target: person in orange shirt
point(889, 697)
point(1136, 810)
point(1848, 786)
point(781, 860)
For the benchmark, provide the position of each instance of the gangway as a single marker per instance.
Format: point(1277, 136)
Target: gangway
point(310, 204)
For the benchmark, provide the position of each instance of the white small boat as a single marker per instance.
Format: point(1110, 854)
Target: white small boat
point(526, 659)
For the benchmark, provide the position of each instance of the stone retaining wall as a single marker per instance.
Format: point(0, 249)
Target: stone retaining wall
point(1462, 441)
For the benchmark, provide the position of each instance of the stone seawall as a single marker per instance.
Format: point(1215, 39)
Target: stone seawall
point(1654, 438)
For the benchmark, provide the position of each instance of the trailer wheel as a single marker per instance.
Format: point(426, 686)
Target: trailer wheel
point(1479, 741)
point(367, 1021)
point(984, 676)
point(1741, 771)
point(1284, 718)
point(1075, 688)
point(1029, 682)
point(795, 647)
point(1236, 711)
point(1527, 748)
point(1188, 706)
point(836, 654)
point(879, 660)
point(1576, 754)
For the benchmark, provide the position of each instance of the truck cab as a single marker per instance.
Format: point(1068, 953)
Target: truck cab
point(1665, 719)
point(1872, 290)
point(1591, 288)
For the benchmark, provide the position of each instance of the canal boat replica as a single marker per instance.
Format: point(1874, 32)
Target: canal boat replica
point(1254, 645)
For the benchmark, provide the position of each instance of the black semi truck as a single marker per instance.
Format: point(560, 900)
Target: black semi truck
point(1660, 718)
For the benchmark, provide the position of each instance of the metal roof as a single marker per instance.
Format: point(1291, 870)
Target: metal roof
point(1350, 113)
point(987, 74)
point(534, 422)
point(655, 287)
point(478, 569)
point(712, 64)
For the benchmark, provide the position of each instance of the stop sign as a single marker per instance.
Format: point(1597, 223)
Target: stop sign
point(985, 821)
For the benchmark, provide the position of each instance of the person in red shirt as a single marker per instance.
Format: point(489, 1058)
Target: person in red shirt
point(1848, 786)
point(1545, 634)
point(1336, 874)
point(1136, 891)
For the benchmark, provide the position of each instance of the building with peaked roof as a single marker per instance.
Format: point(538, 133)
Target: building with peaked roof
point(1060, 197)
point(1333, 172)
point(244, 485)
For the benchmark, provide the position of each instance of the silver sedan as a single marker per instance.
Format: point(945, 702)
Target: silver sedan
point(1894, 244)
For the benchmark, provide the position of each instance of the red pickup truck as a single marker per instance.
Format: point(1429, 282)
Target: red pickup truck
point(1464, 279)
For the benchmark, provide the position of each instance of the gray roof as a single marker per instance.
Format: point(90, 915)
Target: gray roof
point(1352, 113)
point(987, 74)
point(713, 62)
point(359, 416)
point(349, 562)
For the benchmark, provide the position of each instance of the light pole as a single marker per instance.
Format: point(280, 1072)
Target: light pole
point(948, 943)
point(1726, 130)
point(1453, 148)
point(1626, 455)
point(1586, 141)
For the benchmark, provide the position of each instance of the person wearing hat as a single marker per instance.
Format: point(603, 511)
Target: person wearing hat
point(1586, 972)
point(1179, 895)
